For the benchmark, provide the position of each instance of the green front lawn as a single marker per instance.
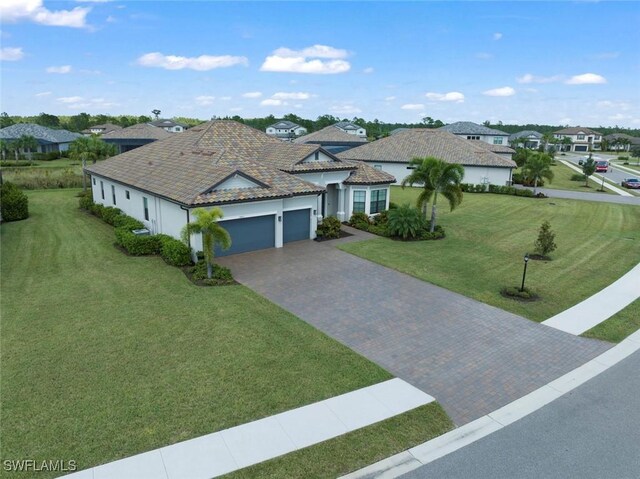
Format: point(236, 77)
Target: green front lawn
point(105, 355)
point(618, 326)
point(488, 235)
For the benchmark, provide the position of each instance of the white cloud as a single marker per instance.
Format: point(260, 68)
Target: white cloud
point(43, 93)
point(252, 94)
point(455, 96)
point(271, 102)
point(412, 106)
point(11, 54)
point(618, 105)
point(205, 100)
point(307, 60)
point(111, 19)
point(345, 109)
point(484, 56)
point(70, 99)
point(503, 91)
point(368, 70)
point(390, 98)
point(225, 98)
point(619, 116)
point(497, 36)
point(586, 79)
point(201, 63)
point(291, 96)
point(529, 78)
point(34, 11)
point(61, 69)
point(606, 55)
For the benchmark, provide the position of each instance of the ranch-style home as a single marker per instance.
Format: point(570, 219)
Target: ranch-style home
point(270, 192)
point(483, 163)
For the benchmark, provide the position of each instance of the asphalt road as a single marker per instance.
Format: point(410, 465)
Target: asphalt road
point(614, 174)
point(592, 432)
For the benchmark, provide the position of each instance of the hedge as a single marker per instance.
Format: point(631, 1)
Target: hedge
point(14, 204)
point(497, 189)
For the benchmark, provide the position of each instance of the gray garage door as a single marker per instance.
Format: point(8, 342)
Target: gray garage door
point(581, 148)
point(296, 225)
point(249, 234)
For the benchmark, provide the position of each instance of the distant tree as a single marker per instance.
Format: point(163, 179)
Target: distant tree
point(156, 113)
point(545, 243)
point(604, 145)
point(144, 119)
point(90, 148)
point(79, 122)
point(521, 156)
point(325, 120)
point(206, 223)
point(536, 168)
point(27, 143)
point(566, 142)
point(6, 120)
point(588, 169)
point(635, 153)
point(437, 177)
point(431, 123)
point(45, 119)
point(486, 123)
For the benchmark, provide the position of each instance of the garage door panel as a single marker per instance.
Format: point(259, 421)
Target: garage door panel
point(296, 225)
point(249, 234)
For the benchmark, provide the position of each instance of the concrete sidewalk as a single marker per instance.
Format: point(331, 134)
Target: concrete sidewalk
point(607, 185)
point(599, 307)
point(226, 451)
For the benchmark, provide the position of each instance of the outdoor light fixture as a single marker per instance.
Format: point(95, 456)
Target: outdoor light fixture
point(315, 212)
point(279, 219)
point(524, 273)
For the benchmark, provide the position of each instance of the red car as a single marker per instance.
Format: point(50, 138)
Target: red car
point(631, 183)
point(602, 166)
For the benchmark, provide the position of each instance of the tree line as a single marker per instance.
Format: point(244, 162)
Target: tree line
point(375, 128)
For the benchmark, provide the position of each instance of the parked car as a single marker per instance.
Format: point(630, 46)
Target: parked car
point(631, 183)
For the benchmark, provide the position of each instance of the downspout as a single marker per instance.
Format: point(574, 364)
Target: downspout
point(188, 221)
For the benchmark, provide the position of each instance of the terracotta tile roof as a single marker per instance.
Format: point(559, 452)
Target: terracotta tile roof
point(503, 149)
point(575, 131)
point(185, 166)
point(470, 128)
point(330, 134)
point(368, 175)
point(141, 131)
point(420, 142)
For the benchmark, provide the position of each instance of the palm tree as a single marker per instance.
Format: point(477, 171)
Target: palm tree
point(91, 148)
point(437, 177)
point(566, 141)
point(28, 143)
point(537, 167)
point(212, 233)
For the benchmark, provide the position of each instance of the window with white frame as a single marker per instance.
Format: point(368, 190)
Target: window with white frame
point(359, 201)
point(580, 137)
point(378, 201)
point(497, 140)
point(473, 137)
point(377, 167)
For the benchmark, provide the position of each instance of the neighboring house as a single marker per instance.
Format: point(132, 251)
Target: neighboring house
point(169, 125)
point(582, 139)
point(351, 129)
point(502, 150)
point(532, 139)
point(49, 140)
point(473, 131)
point(393, 154)
point(135, 136)
point(271, 192)
point(286, 130)
point(622, 141)
point(101, 129)
point(332, 139)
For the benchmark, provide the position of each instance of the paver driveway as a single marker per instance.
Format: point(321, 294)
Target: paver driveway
point(472, 357)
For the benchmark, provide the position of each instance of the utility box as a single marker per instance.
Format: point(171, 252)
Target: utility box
point(141, 232)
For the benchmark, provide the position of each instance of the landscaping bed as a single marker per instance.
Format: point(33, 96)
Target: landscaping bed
point(487, 236)
point(105, 356)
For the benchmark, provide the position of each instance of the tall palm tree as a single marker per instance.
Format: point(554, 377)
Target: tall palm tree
point(537, 167)
point(92, 148)
point(436, 177)
point(212, 233)
point(28, 143)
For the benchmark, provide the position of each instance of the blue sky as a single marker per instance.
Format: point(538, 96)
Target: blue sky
point(575, 63)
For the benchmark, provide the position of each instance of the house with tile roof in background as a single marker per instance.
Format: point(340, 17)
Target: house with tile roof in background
point(271, 192)
point(527, 138)
point(621, 141)
point(393, 154)
point(286, 130)
point(332, 139)
point(351, 129)
point(169, 125)
point(49, 140)
point(101, 129)
point(582, 139)
point(135, 136)
point(472, 131)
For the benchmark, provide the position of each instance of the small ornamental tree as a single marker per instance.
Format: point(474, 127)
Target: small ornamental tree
point(588, 168)
point(545, 243)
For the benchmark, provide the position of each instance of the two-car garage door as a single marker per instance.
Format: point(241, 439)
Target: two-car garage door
point(259, 232)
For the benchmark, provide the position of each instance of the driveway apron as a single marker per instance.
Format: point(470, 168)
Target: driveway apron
point(472, 357)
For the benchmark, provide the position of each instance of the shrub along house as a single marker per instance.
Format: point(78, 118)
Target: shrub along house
point(483, 163)
point(270, 192)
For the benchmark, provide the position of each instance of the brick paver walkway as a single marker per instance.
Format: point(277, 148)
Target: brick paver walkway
point(473, 358)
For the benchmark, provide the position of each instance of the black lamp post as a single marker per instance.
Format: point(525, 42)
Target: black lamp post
point(524, 273)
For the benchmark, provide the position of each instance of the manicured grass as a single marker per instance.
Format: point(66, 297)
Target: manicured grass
point(105, 356)
point(488, 235)
point(357, 449)
point(562, 181)
point(618, 326)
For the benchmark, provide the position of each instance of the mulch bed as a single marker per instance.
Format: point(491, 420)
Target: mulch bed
point(539, 257)
point(343, 234)
point(206, 282)
point(505, 294)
